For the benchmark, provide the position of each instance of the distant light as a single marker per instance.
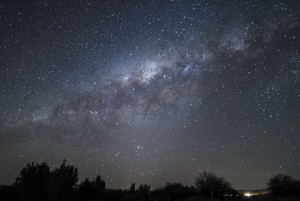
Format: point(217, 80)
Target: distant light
point(248, 194)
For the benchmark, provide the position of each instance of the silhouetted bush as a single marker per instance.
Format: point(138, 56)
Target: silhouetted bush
point(62, 182)
point(31, 184)
point(282, 185)
point(144, 190)
point(36, 183)
point(91, 189)
point(211, 186)
point(173, 191)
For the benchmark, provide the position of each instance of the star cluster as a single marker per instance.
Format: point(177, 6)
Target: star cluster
point(151, 91)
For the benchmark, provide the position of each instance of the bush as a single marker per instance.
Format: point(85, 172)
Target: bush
point(282, 185)
point(211, 186)
point(36, 183)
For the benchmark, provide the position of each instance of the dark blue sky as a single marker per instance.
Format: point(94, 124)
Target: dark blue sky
point(151, 91)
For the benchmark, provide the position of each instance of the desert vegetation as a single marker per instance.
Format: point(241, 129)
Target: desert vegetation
point(36, 182)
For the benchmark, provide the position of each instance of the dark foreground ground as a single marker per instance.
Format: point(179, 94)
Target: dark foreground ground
point(242, 198)
point(253, 198)
point(264, 198)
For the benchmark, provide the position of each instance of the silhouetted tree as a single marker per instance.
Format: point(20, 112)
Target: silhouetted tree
point(86, 190)
point(284, 186)
point(211, 186)
point(132, 188)
point(100, 186)
point(92, 189)
point(31, 184)
point(144, 189)
point(62, 182)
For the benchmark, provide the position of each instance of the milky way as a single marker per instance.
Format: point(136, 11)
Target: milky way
point(151, 92)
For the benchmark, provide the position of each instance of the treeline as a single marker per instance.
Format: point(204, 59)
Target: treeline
point(37, 183)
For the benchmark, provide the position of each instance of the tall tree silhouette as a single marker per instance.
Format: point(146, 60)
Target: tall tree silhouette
point(144, 189)
point(31, 184)
point(100, 186)
point(132, 188)
point(62, 182)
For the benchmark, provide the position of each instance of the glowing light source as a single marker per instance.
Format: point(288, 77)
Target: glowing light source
point(248, 194)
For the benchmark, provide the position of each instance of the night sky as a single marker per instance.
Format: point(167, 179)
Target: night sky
point(151, 91)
